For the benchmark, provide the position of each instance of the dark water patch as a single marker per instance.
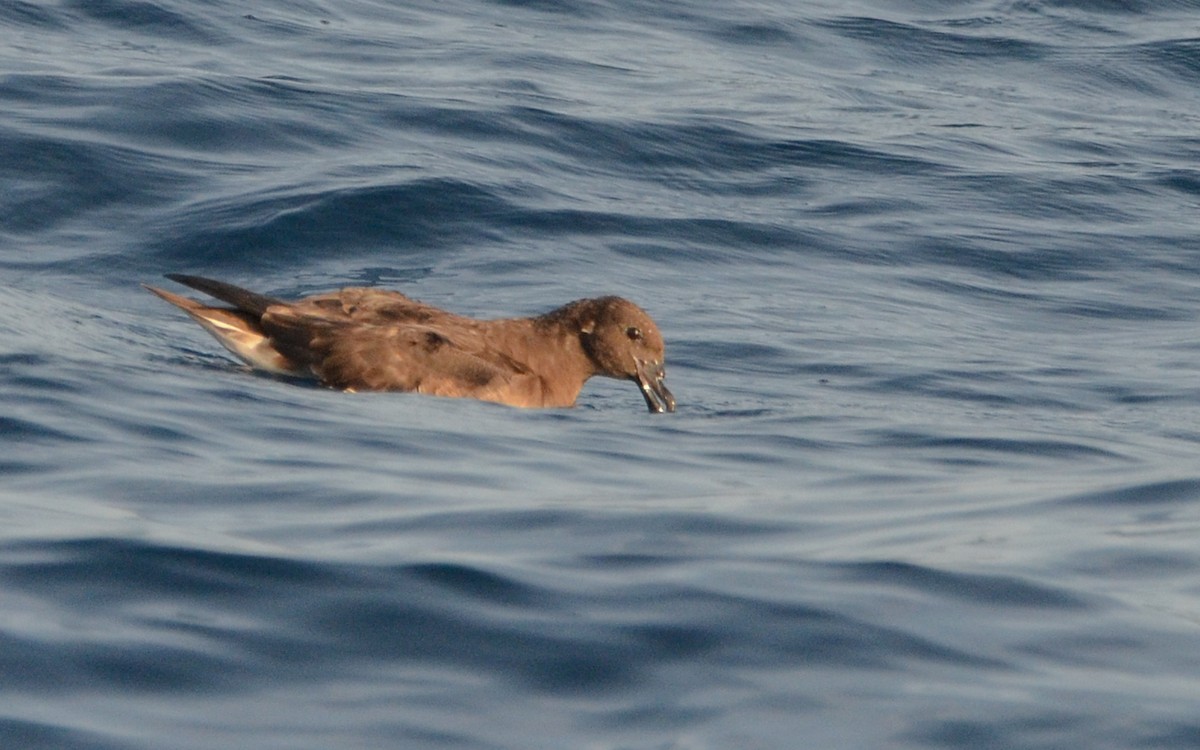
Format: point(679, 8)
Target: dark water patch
point(409, 218)
point(627, 560)
point(1113, 310)
point(460, 122)
point(1186, 181)
point(32, 663)
point(411, 622)
point(388, 276)
point(707, 147)
point(300, 22)
point(591, 525)
point(992, 590)
point(34, 15)
point(1119, 563)
point(1084, 650)
point(864, 208)
point(474, 583)
point(1180, 57)
point(1148, 494)
point(958, 289)
point(994, 388)
point(567, 653)
point(146, 668)
point(1119, 393)
point(658, 253)
point(37, 378)
point(206, 118)
point(1102, 72)
point(735, 357)
point(159, 435)
point(446, 614)
point(12, 468)
point(12, 360)
point(233, 492)
point(570, 8)
point(33, 735)
point(1005, 254)
point(24, 431)
point(985, 451)
point(39, 387)
point(41, 665)
point(660, 715)
point(1115, 7)
point(1044, 197)
point(439, 614)
point(842, 155)
point(754, 34)
point(88, 567)
point(65, 179)
point(1171, 735)
point(912, 44)
point(766, 633)
point(159, 19)
point(939, 385)
point(699, 239)
point(1047, 728)
point(48, 94)
point(645, 145)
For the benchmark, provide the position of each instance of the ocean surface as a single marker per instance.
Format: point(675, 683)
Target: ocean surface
point(929, 276)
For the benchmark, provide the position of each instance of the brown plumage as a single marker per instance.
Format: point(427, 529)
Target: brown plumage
point(362, 339)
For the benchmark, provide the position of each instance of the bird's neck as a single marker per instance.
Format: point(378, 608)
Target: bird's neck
point(565, 365)
point(548, 349)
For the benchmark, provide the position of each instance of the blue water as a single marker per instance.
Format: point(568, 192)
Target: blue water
point(929, 275)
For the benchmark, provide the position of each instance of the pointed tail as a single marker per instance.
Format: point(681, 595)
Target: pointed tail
point(238, 330)
point(243, 299)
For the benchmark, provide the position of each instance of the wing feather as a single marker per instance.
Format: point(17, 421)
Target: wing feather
point(371, 307)
point(358, 356)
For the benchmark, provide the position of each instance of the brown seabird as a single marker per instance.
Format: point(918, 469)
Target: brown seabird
point(363, 339)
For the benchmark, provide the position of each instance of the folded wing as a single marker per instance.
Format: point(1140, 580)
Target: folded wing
point(351, 355)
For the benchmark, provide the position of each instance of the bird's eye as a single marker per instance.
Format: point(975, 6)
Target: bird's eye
point(634, 333)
